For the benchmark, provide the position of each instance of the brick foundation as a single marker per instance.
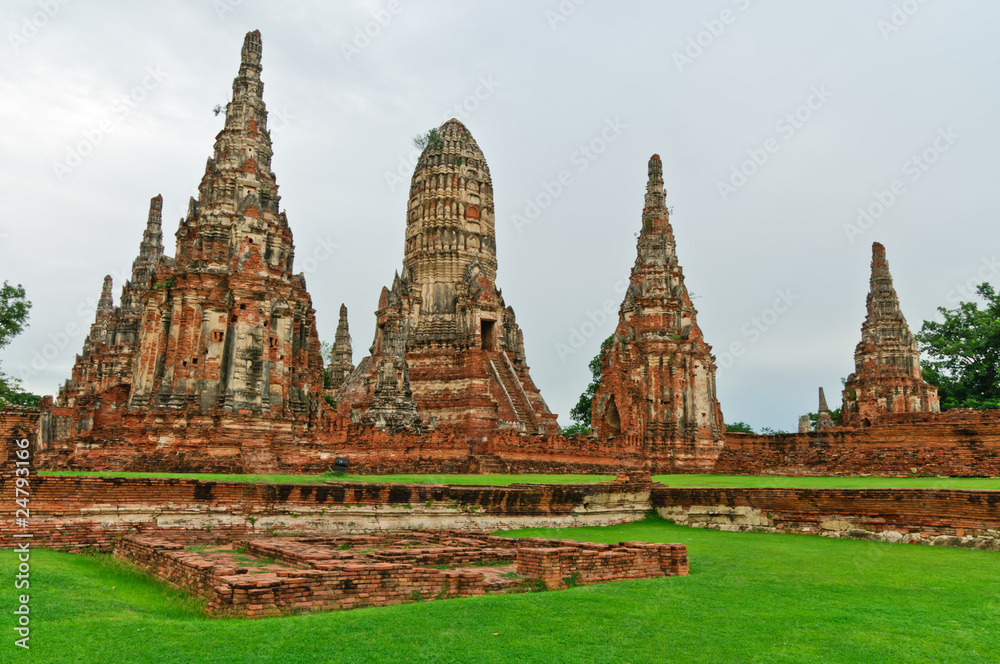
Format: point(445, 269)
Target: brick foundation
point(79, 512)
point(72, 513)
point(954, 443)
point(944, 517)
point(339, 573)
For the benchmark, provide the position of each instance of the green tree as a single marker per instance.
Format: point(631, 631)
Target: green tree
point(963, 353)
point(576, 428)
point(326, 351)
point(581, 411)
point(739, 427)
point(14, 308)
point(834, 415)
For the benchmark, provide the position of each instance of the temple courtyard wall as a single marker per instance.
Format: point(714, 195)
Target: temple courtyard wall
point(953, 443)
point(79, 512)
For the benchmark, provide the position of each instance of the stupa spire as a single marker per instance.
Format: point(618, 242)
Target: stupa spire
point(658, 374)
point(887, 376)
point(342, 356)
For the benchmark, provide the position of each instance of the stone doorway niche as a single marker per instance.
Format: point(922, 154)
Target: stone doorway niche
point(612, 418)
point(488, 333)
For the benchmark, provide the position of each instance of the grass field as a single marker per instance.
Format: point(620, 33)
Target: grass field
point(981, 483)
point(750, 598)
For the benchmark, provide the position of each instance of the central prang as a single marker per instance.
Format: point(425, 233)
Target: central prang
point(447, 349)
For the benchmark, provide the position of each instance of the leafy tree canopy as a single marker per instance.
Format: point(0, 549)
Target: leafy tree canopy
point(834, 415)
point(576, 428)
point(739, 427)
point(14, 308)
point(581, 411)
point(963, 353)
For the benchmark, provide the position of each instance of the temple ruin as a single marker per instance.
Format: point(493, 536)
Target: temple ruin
point(211, 361)
point(447, 351)
point(109, 351)
point(658, 374)
point(341, 356)
point(225, 326)
point(887, 376)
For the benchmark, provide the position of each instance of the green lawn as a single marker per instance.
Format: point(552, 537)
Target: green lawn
point(750, 598)
point(992, 483)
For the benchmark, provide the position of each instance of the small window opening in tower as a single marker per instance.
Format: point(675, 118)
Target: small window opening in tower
point(612, 418)
point(488, 333)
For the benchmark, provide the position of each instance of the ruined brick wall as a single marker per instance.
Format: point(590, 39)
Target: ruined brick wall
point(327, 578)
point(960, 443)
point(923, 514)
point(586, 563)
point(172, 563)
point(249, 444)
point(18, 422)
point(77, 512)
point(957, 443)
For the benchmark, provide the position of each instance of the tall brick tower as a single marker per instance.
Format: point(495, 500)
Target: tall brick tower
point(447, 348)
point(887, 376)
point(658, 374)
point(341, 356)
point(109, 350)
point(228, 325)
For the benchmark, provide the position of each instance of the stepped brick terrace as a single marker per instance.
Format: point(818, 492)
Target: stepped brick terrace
point(277, 575)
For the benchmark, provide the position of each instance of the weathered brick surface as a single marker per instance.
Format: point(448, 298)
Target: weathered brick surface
point(932, 512)
point(447, 350)
point(78, 512)
point(572, 564)
point(224, 328)
point(957, 442)
point(331, 573)
point(658, 373)
point(887, 376)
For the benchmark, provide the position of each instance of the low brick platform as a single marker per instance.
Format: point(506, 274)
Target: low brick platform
point(278, 575)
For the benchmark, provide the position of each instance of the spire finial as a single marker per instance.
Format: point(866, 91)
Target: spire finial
point(252, 49)
point(823, 408)
point(106, 305)
point(656, 195)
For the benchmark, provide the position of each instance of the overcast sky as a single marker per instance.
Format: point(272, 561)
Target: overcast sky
point(104, 105)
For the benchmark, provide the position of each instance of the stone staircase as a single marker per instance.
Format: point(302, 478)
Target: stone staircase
point(503, 371)
point(491, 464)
